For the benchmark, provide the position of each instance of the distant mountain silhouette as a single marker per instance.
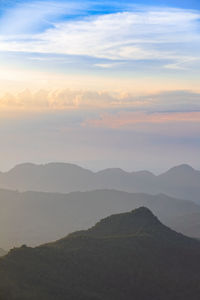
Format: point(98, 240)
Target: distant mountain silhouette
point(34, 218)
point(125, 256)
point(181, 181)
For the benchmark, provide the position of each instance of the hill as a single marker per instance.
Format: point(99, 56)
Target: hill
point(125, 256)
point(180, 182)
point(34, 218)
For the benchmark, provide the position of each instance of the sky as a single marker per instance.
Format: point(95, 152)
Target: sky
point(100, 83)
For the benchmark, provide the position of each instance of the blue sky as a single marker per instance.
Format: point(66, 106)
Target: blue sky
point(111, 6)
point(157, 39)
point(46, 12)
point(127, 72)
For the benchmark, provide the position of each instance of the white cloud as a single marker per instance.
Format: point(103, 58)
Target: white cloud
point(31, 16)
point(108, 65)
point(150, 34)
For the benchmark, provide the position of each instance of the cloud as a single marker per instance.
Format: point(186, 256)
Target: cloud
point(129, 119)
point(69, 99)
point(64, 99)
point(108, 65)
point(33, 16)
point(154, 34)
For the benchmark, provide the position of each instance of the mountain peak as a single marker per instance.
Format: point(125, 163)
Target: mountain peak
point(181, 168)
point(143, 211)
point(51, 165)
point(115, 266)
point(138, 221)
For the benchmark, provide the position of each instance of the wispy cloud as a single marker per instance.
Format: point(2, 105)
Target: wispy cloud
point(166, 34)
point(108, 65)
point(28, 17)
point(129, 119)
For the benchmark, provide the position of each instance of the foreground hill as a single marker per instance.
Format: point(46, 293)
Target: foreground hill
point(125, 256)
point(181, 181)
point(34, 218)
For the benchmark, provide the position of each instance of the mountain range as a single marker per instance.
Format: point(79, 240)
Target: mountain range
point(34, 218)
point(125, 256)
point(181, 181)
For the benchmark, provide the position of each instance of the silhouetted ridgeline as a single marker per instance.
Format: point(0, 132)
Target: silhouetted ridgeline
point(34, 218)
point(125, 256)
point(181, 181)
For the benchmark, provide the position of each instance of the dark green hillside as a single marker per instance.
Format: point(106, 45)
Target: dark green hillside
point(125, 256)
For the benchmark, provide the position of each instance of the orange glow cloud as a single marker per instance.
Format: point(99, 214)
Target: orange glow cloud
point(69, 99)
point(127, 119)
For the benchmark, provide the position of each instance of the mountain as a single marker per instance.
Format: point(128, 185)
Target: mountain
point(53, 177)
point(125, 256)
point(34, 218)
point(189, 224)
point(180, 182)
point(2, 252)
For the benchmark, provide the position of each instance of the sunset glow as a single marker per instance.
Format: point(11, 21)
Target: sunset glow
point(99, 66)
